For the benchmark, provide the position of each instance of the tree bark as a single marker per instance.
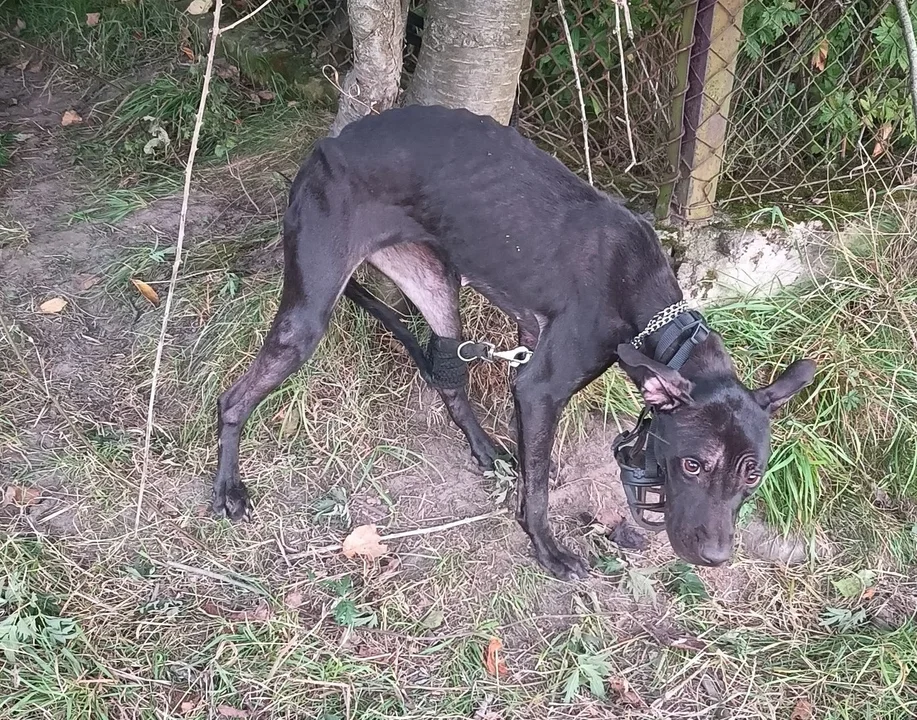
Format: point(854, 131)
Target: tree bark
point(377, 27)
point(471, 55)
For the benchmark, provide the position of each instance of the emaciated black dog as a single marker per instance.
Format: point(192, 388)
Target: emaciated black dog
point(435, 198)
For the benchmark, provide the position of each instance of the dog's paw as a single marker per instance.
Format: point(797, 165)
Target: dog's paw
point(234, 503)
point(560, 562)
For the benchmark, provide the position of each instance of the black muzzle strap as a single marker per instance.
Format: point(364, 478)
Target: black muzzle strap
point(644, 483)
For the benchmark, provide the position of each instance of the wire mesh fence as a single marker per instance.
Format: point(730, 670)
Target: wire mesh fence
point(774, 101)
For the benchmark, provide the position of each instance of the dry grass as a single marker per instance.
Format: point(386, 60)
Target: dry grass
point(196, 618)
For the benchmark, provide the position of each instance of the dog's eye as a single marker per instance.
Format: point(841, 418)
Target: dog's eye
point(753, 478)
point(690, 466)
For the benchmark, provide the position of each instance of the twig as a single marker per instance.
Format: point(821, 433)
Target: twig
point(907, 27)
point(579, 87)
point(630, 34)
point(246, 18)
point(179, 243)
point(216, 576)
point(328, 549)
point(336, 84)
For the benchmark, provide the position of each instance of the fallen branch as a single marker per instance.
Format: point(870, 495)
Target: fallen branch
point(579, 87)
point(907, 27)
point(179, 244)
point(328, 549)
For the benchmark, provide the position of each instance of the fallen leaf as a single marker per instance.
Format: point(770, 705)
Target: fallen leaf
point(627, 694)
point(688, 643)
point(293, 599)
point(854, 585)
point(92, 19)
point(227, 711)
point(189, 706)
point(290, 422)
point(199, 7)
point(20, 495)
point(188, 52)
point(260, 613)
point(434, 619)
point(266, 95)
point(52, 306)
point(820, 56)
point(882, 136)
point(71, 117)
point(390, 570)
point(869, 593)
point(89, 281)
point(802, 711)
point(147, 292)
point(20, 25)
point(364, 540)
point(492, 660)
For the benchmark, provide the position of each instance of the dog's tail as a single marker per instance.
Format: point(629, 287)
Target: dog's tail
point(392, 322)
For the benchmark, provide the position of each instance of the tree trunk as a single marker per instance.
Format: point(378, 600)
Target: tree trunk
point(471, 54)
point(377, 27)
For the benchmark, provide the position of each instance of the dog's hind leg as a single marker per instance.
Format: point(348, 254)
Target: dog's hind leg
point(310, 291)
point(435, 291)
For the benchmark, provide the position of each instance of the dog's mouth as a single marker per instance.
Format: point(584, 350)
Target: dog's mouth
point(642, 477)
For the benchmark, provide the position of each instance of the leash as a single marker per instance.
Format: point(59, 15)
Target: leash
point(644, 484)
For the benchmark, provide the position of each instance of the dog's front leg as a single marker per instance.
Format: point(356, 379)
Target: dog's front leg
point(538, 405)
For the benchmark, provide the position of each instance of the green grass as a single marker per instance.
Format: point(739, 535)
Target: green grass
point(189, 615)
point(127, 36)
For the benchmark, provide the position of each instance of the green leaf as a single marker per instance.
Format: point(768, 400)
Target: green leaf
point(853, 585)
point(433, 619)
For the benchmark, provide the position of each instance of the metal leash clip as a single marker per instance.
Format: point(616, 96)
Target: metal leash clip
point(487, 351)
point(515, 357)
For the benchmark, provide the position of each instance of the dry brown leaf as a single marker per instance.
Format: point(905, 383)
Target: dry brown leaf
point(52, 306)
point(92, 19)
point(71, 117)
point(882, 137)
point(802, 711)
point(820, 56)
point(293, 599)
point(187, 52)
point(260, 613)
point(688, 643)
point(627, 694)
point(89, 281)
point(189, 706)
point(390, 570)
point(266, 95)
point(869, 593)
point(492, 660)
point(147, 292)
point(20, 495)
point(364, 540)
point(199, 7)
point(228, 711)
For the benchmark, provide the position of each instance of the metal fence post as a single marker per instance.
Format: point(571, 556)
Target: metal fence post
point(711, 74)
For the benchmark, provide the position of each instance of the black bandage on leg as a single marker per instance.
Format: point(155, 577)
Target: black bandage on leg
point(447, 369)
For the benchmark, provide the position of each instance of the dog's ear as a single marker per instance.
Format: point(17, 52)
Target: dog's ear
point(662, 387)
point(772, 397)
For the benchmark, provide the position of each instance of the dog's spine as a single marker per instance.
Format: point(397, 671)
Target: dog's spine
point(392, 322)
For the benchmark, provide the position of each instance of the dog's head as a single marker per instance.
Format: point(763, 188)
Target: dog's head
point(712, 442)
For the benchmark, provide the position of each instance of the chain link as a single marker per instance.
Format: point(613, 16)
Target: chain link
point(659, 320)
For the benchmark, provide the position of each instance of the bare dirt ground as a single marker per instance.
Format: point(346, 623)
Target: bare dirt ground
point(185, 616)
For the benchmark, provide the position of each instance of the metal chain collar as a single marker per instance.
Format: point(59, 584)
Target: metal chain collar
point(659, 320)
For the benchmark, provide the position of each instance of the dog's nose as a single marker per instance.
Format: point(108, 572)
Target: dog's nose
point(715, 554)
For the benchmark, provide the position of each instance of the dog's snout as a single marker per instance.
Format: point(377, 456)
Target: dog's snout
point(714, 554)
